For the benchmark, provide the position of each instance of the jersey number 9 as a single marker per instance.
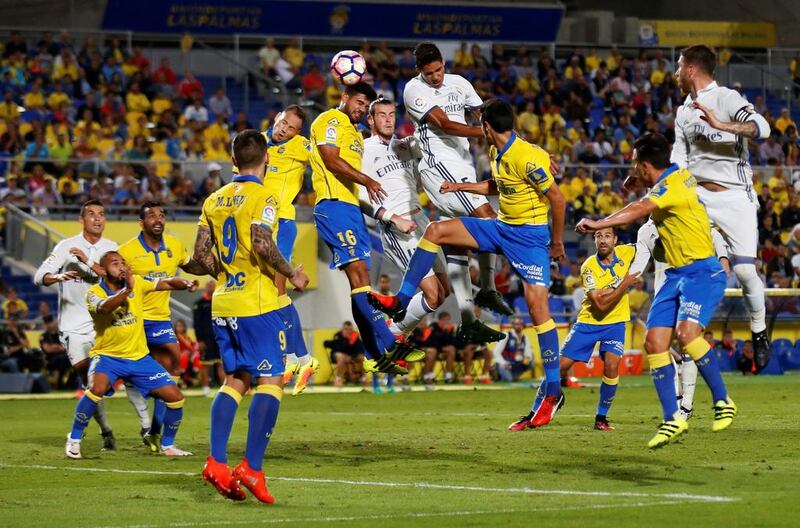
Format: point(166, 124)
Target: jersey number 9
point(282, 339)
point(229, 240)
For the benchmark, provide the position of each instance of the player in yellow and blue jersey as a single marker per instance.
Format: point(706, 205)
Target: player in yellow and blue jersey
point(604, 312)
point(116, 305)
point(521, 176)
point(153, 254)
point(336, 150)
point(235, 242)
point(694, 286)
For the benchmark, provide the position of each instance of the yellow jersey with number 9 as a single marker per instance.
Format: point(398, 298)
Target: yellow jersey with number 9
point(522, 174)
point(120, 333)
point(681, 220)
point(333, 128)
point(161, 263)
point(595, 276)
point(243, 290)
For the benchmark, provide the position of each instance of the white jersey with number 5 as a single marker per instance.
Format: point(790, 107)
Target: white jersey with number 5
point(455, 97)
point(712, 155)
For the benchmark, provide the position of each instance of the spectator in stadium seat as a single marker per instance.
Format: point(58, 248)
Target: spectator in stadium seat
point(780, 263)
point(164, 78)
point(12, 304)
point(314, 84)
point(385, 285)
point(190, 90)
point(463, 57)
point(708, 335)
point(784, 121)
point(55, 355)
point(17, 346)
point(196, 111)
point(347, 355)
point(268, 57)
point(512, 355)
point(293, 54)
point(573, 280)
point(638, 297)
point(15, 44)
point(771, 149)
point(728, 343)
point(466, 353)
point(220, 105)
point(440, 343)
point(745, 363)
point(557, 286)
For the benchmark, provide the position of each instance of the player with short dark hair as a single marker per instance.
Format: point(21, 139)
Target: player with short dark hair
point(694, 284)
point(521, 176)
point(116, 305)
point(235, 244)
point(336, 158)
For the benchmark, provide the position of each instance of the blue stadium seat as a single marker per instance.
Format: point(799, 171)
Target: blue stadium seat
point(726, 362)
point(557, 311)
point(790, 357)
point(520, 306)
point(773, 368)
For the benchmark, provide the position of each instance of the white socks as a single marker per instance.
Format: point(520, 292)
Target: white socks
point(753, 295)
point(139, 405)
point(688, 382)
point(458, 273)
point(416, 311)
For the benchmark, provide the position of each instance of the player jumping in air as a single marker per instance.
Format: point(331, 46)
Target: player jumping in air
point(521, 176)
point(73, 265)
point(336, 150)
point(437, 102)
point(604, 311)
point(393, 163)
point(152, 254)
point(120, 352)
point(694, 283)
point(235, 242)
point(711, 132)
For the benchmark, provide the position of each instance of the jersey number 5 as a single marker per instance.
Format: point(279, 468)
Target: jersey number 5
point(229, 240)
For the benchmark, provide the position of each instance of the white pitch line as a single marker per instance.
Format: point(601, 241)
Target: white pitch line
point(417, 485)
point(420, 515)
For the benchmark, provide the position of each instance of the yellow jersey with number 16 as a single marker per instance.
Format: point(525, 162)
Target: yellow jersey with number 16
point(522, 174)
point(333, 128)
point(243, 289)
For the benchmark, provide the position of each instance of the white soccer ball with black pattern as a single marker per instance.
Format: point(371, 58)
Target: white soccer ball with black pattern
point(348, 67)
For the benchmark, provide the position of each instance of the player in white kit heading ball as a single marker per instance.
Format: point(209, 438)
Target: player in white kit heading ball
point(711, 132)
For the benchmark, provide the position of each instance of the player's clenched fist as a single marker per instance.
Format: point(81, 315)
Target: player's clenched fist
point(299, 279)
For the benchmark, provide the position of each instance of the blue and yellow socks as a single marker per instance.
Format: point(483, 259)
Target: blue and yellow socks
point(420, 264)
point(608, 389)
point(83, 413)
point(223, 411)
point(663, 372)
point(159, 409)
point(548, 345)
point(706, 361)
point(371, 324)
point(173, 414)
point(262, 417)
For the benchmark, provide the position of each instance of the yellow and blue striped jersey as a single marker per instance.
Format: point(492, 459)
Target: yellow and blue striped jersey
point(152, 264)
point(243, 290)
point(285, 171)
point(595, 276)
point(681, 220)
point(120, 333)
point(522, 174)
point(333, 128)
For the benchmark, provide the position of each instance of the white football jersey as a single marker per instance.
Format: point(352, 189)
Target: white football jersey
point(648, 246)
point(454, 97)
point(712, 155)
point(73, 316)
point(394, 166)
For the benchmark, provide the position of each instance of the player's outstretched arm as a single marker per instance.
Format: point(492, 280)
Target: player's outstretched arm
point(264, 246)
point(607, 298)
point(344, 171)
point(754, 127)
point(177, 283)
point(626, 215)
point(485, 187)
point(438, 118)
point(203, 261)
point(558, 210)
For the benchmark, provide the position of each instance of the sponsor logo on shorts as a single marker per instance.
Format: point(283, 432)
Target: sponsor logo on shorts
point(264, 365)
point(691, 309)
point(532, 271)
point(158, 376)
point(164, 331)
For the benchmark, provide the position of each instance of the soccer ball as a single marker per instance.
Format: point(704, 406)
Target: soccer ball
point(348, 67)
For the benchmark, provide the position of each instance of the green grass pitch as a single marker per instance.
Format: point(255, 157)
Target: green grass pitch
point(423, 459)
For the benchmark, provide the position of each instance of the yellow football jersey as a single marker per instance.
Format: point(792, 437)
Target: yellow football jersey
point(595, 276)
point(152, 264)
point(333, 128)
point(242, 289)
point(522, 174)
point(680, 218)
point(120, 333)
point(285, 172)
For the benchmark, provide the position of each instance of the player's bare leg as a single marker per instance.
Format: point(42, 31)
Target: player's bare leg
point(488, 297)
point(81, 369)
point(446, 232)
